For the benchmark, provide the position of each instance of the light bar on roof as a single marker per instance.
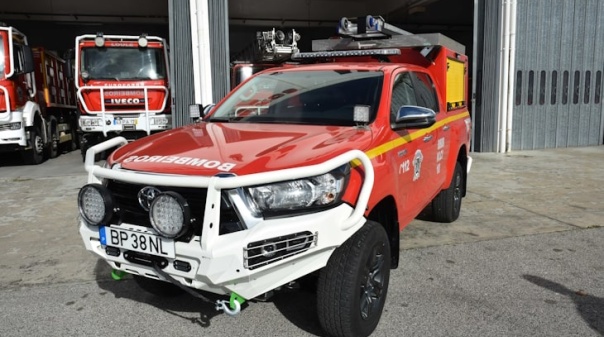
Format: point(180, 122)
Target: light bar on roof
point(346, 53)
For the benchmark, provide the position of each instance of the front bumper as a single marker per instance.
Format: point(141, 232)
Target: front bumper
point(222, 268)
point(114, 123)
point(218, 262)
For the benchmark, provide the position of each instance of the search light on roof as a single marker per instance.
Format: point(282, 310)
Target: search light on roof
point(280, 36)
point(142, 41)
point(99, 40)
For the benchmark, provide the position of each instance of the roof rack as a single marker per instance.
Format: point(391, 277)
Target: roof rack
point(372, 32)
point(399, 41)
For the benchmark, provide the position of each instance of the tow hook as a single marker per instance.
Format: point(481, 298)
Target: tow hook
point(117, 274)
point(231, 307)
point(224, 306)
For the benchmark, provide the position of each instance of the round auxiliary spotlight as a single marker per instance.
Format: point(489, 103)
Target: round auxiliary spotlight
point(170, 214)
point(95, 204)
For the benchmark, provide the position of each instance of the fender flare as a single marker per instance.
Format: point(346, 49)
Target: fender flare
point(31, 110)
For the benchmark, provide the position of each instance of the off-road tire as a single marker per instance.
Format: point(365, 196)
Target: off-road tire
point(35, 155)
point(447, 204)
point(157, 287)
point(356, 271)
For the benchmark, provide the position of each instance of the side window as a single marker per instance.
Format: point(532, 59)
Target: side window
point(402, 94)
point(425, 92)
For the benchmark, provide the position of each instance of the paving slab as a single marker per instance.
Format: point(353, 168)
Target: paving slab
point(517, 194)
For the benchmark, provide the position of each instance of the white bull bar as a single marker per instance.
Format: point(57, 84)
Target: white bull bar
point(103, 111)
point(215, 184)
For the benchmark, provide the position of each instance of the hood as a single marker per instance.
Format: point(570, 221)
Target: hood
point(211, 148)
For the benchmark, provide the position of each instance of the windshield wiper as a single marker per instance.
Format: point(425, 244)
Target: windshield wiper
point(222, 119)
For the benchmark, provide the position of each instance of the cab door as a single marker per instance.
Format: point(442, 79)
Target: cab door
point(411, 173)
point(432, 139)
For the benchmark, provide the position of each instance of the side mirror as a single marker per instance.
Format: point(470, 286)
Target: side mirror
point(69, 69)
point(409, 116)
point(28, 60)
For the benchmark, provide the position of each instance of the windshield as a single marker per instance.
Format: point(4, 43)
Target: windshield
point(327, 97)
point(2, 74)
point(122, 64)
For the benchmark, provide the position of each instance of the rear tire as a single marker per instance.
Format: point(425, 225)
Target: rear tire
point(352, 288)
point(35, 155)
point(446, 206)
point(157, 287)
point(53, 146)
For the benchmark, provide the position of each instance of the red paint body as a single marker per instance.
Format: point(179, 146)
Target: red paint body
point(256, 148)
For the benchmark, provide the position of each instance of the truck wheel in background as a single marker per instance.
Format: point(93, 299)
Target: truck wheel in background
point(35, 155)
point(157, 287)
point(447, 204)
point(74, 143)
point(352, 288)
point(53, 146)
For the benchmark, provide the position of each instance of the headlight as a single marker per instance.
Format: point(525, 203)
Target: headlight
point(169, 214)
point(14, 126)
point(159, 121)
point(95, 204)
point(323, 190)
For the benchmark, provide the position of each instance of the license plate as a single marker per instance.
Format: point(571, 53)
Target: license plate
point(125, 121)
point(137, 241)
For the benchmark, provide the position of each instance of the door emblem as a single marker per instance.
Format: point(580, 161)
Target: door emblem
point(417, 164)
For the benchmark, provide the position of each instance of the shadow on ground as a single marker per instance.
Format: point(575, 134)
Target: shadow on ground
point(296, 305)
point(591, 308)
point(176, 305)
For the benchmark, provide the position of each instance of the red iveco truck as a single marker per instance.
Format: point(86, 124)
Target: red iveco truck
point(306, 172)
point(37, 100)
point(122, 87)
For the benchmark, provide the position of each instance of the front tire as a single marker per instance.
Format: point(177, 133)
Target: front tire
point(446, 206)
point(157, 287)
point(35, 155)
point(352, 288)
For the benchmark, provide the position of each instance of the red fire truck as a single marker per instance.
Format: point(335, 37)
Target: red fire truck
point(122, 87)
point(37, 100)
point(302, 173)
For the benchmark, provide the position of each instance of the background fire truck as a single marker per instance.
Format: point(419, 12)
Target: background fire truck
point(37, 101)
point(122, 87)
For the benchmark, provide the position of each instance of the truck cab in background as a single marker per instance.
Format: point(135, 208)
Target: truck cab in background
point(37, 100)
point(122, 87)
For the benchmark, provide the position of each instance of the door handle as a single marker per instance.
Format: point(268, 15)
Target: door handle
point(427, 138)
point(446, 127)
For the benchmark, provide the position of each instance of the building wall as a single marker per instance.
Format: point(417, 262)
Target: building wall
point(488, 60)
point(181, 61)
point(559, 74)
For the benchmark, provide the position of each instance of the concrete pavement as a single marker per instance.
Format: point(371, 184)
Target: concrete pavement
point(511, 195)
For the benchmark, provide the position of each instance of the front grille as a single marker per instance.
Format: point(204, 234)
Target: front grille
point(125, 195)
point(261, 253)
